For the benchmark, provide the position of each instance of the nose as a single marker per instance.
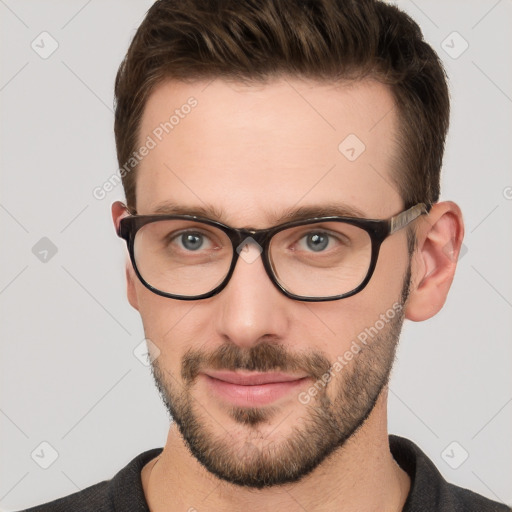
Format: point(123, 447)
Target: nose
point(250, 306)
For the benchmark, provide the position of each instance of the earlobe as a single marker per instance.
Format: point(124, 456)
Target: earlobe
point(435, 260)
point(131, 292)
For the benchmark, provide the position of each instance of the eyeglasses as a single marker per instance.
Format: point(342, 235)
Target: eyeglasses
point(187, 257)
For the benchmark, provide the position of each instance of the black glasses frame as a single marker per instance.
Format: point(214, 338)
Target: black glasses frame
point(378, 231)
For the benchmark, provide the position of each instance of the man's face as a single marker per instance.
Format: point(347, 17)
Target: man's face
point(254, 152)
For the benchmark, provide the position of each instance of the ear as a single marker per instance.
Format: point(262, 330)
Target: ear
point(131, 291)
point(439, 239)
point(118, 212)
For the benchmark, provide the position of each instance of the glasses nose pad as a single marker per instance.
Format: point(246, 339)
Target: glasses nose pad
point(249, 250)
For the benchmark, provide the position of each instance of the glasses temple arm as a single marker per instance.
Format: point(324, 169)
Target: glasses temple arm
point(402, 219)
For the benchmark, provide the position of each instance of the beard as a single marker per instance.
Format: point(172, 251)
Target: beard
point(241, 455)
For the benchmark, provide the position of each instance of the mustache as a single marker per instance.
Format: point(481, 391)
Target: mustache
point(263, 357)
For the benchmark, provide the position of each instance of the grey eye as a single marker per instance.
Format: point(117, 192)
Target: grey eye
point(192, 241)
point(317, 241)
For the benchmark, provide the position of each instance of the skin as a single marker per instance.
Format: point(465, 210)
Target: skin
point(257, 150)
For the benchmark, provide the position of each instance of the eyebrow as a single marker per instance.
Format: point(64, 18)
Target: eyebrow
point(287, 215)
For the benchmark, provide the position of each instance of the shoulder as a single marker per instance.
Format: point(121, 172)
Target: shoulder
point(123, 492)
point(93, 498)
point(463, 500)
point(430, 490)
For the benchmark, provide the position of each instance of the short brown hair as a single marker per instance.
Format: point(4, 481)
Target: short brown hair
point(325, 40)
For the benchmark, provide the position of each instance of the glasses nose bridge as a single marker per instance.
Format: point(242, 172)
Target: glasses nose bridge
point(260, 236)
point(244, 236)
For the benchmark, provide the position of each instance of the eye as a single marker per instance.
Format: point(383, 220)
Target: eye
point(316, 241)
point(192, 241)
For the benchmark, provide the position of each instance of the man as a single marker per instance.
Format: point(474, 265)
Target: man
point(281, 167)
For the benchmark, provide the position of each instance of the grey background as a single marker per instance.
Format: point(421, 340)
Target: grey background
point(68, 375)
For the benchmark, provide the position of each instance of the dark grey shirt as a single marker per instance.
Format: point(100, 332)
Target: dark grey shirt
point(429, 490)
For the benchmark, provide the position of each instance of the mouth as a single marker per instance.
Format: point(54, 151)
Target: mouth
point(251, 389)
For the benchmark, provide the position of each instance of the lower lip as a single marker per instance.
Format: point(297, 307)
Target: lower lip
point(247, 396)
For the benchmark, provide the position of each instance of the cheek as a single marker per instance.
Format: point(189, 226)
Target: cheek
point(330, 327)
point(335, 325)
point(168, 323)
point(388, 279)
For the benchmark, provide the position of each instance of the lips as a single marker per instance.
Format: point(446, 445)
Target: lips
point(252, 378)
point(251, 389)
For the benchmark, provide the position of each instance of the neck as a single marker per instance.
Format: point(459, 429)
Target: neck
point(361, 475)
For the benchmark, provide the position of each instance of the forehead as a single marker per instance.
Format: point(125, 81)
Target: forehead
point(253, 150)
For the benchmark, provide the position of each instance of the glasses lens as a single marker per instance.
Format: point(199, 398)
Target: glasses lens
point(321, 259)
point(182, 257)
